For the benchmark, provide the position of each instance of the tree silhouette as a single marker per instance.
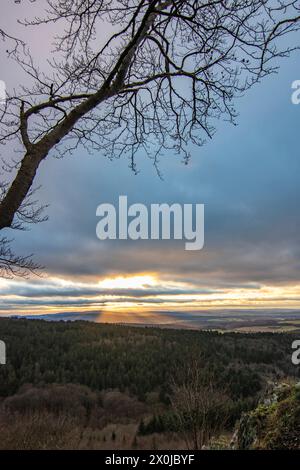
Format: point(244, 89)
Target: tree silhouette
point(130, 75)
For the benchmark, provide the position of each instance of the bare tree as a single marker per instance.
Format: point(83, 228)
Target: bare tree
point(199, 407)
point(130, 75)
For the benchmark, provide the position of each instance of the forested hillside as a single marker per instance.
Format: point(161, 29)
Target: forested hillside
point(142, 371)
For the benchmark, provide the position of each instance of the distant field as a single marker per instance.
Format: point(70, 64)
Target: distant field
point(220, 320)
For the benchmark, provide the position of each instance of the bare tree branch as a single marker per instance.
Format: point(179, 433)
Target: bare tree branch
point(12, 265)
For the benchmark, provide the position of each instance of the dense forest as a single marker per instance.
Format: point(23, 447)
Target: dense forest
point(117, 375)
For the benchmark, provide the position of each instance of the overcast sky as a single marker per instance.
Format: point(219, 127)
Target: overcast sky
point(247, 177)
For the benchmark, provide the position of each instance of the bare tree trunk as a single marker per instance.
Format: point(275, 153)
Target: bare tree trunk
point(38, 152)
point(20, 187)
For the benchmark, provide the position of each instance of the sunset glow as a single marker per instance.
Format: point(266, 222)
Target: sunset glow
point(124, 298)
point(130, 282)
